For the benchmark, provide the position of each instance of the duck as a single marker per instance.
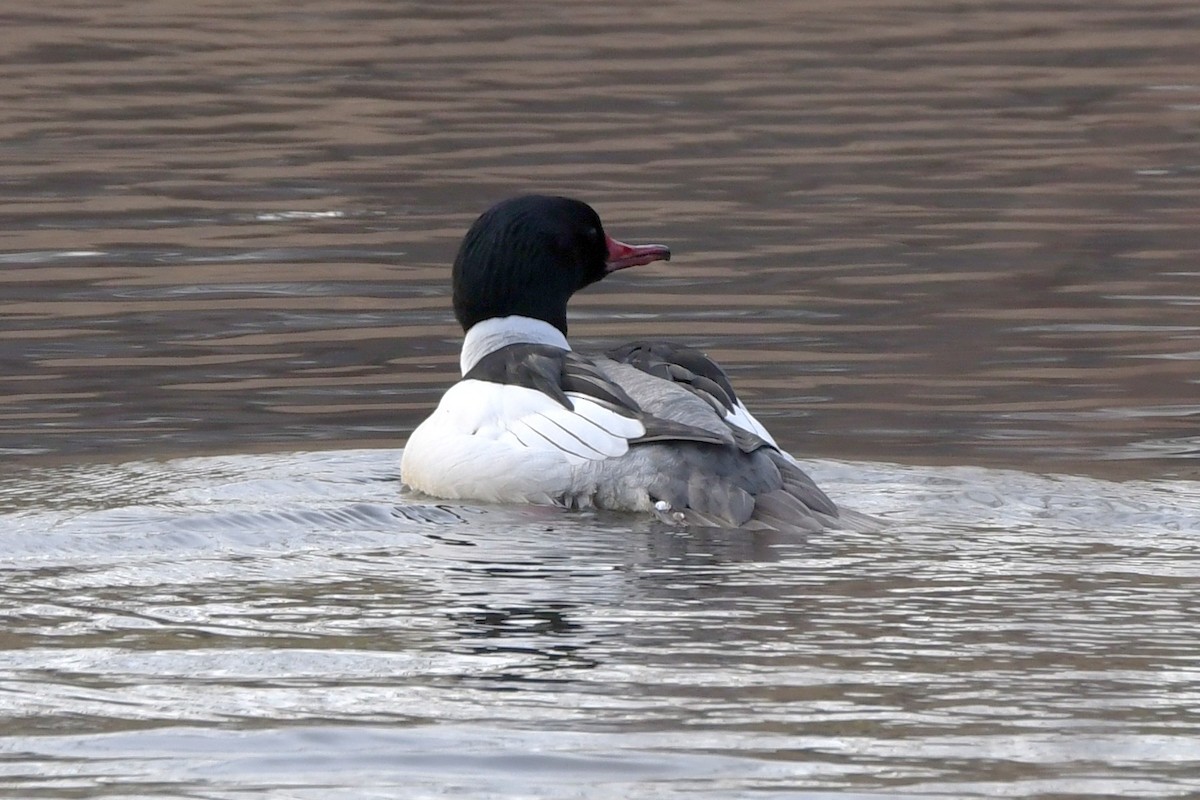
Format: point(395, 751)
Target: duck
point(652, 427)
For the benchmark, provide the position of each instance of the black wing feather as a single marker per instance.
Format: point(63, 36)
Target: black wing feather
point(682, 365)
point(534, 366)
point(554, 372)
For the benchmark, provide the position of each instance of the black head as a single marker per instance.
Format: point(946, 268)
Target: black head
point(528, 255)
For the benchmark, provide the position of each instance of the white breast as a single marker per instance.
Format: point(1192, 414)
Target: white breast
point(509, 444)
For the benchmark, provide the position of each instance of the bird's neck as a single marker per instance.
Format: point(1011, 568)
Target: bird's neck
point(490, 335)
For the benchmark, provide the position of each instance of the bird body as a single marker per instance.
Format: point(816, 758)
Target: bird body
point(650, 426)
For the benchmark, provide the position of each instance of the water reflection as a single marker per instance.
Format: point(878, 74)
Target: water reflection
point(1005, 627)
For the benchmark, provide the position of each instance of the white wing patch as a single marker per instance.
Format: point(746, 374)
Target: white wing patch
point(741, 417)
point(605, 418)
point(510, 444)
point(528, 419)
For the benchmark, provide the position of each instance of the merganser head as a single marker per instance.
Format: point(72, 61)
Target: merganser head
point(528, 255)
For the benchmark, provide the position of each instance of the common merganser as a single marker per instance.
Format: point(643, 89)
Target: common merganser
point(650, 427)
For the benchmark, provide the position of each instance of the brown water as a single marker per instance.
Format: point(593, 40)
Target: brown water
point(914, 233)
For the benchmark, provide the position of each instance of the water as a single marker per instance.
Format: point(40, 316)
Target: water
point(287, 626)
point(913, 233)
point(947, 252)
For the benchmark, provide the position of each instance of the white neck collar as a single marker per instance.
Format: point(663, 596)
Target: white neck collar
point(492, 334)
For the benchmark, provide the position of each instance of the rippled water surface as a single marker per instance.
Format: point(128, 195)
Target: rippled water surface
point(945, 249)
point(287, 626)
